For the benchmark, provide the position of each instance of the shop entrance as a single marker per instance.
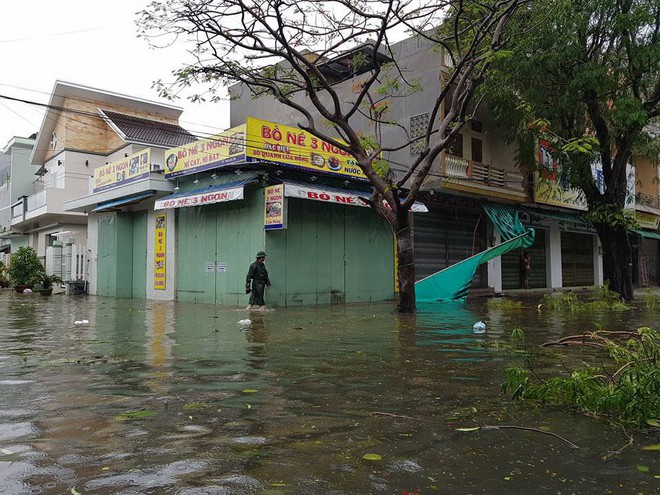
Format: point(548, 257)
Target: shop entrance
point(577, 259)
point(512, 265)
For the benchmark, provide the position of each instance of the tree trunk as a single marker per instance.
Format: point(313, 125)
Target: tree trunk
point(405, 263)
point(617, 258)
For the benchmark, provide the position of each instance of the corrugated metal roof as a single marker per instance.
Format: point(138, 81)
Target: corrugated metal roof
point(148, 131)
point(211, 188)
point(134, 198)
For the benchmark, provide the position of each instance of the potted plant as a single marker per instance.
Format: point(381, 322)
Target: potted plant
point(24, 266)
point(43, 284)
point(4, 280)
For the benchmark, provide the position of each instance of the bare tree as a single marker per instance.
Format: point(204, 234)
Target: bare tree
point(279, 48)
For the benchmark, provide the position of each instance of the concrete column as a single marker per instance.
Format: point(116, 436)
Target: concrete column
point(495, 268)
point(553, 256)
point(598, 262)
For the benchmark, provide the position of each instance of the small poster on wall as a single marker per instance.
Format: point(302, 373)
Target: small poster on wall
point(274, 207)
point(160, 252)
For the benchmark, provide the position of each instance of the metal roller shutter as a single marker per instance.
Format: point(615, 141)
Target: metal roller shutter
point(443, 237)
point(511, 265)
point(577, 259)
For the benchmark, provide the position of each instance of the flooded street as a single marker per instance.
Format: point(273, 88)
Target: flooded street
point(172, 398)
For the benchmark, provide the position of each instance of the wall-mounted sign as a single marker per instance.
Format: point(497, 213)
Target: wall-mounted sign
point(209, 267)
point(338, 197)
point(122, 171)
point(647, 221)
point(222, 267)
point(200, 199)
point(160, 252)
point(260, 141)
point(284, 145)
point(220, 150)
point(274, 207)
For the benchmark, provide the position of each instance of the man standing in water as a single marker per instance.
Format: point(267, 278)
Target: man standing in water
point(256, 282)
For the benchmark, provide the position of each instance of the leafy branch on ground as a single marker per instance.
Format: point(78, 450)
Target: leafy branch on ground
point(625, 388)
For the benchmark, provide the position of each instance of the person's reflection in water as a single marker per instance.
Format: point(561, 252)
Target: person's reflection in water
point(257, 336)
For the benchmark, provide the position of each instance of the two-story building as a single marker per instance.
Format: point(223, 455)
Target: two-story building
point(83, 129)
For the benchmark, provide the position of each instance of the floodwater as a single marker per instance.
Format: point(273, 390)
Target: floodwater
point(170, 398)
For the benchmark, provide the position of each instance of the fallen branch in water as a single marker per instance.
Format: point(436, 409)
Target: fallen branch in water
point(592, 339)
point(528, 428)
point(486, 427)
point(612, 453)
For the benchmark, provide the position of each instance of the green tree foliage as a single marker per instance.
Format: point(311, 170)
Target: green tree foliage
point(586, 76)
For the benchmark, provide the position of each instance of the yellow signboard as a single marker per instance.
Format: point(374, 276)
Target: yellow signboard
point(160, 252)
point(284, 145)
point(222, 149)
point(122, 171)
point(274, 207)
point(647, 221)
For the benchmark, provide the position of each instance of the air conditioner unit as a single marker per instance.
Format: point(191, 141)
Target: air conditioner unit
point(155, 167)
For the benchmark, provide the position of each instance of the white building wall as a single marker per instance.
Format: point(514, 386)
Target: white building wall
point(553, 256)
point(92, 251)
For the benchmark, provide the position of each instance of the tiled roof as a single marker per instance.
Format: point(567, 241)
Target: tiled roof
point(148, 131)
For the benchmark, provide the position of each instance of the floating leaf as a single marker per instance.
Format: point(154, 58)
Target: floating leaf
point(642, 468)
point(279, 484)
point(105, 468)
point(74, 491)
point(6, 452)
point(652, 447)
point(372, 457)
point(136, 414)
point(469, 429)
point(250, 391)
point(653, 422)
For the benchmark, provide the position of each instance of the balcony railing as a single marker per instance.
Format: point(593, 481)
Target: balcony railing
point(481, 174)
point(647, 200)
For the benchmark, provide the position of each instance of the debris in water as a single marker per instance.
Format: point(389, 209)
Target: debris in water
point(479, 327)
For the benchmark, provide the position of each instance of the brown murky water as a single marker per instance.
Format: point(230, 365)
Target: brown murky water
point(168, 398)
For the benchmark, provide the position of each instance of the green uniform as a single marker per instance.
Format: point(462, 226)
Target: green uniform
point(257, 280)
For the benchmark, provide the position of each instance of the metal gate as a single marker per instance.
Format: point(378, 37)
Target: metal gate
point(577, 259)
point(443, 237)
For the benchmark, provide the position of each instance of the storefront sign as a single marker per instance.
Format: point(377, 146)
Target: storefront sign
point(160, 252)
point(647, 221)
point(200, 199)
point(122, 171)
point(222, 149)
point(274, 207)
point(337, 197)
point(293, 147)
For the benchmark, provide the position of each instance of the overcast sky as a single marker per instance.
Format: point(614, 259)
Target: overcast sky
point(92, 43)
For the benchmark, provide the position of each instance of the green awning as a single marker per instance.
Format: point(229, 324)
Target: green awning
point(559, 215)
point(647, 234)
point(454, 282)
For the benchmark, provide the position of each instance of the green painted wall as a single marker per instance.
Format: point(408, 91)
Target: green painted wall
point(139, 281)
